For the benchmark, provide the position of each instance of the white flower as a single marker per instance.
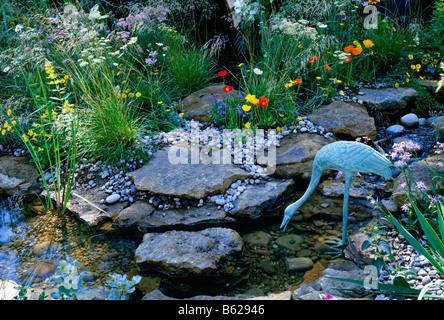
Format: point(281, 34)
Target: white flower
point(83, 63)
point(95, 14)
point(6, 69)
point(159, 44)
point(18, 28)
point(303, 21)
point(132, 40)
point(257, 71)
point(321, 25)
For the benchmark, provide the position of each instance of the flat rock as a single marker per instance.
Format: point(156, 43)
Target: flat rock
point(86, 204)
point(145, 215)
point(342, 118)
point(197, 105)
point(18, 176)
point(339, 268)
point(257, 238)
point(388, 100)
point(290, 241)
point(395, 130)
point(295, 155)
point(188, 253)
point(191, 181)
point(335, 188)
point(258, 198)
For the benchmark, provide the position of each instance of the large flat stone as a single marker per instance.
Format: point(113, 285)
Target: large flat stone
point(188, 253)
point(389, 101)
point(191, 181)
point(341, 118)
point(261, 197)
point(145, 215)
point(18, 176)
point(295, 155)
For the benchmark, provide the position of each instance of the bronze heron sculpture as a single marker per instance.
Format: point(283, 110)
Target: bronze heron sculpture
point(349, 157)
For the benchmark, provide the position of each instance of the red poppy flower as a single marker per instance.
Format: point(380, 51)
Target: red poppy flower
point(222, 73)
point(297, 81)
point(263, 102)
point(311, 60)
point(227, 88)
point(348, 59)
point(328, 68)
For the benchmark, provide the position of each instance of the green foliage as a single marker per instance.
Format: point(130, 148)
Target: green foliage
point(121, 287)
point(424, 101)
point(69, 281)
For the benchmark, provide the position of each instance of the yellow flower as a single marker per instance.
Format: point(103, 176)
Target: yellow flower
point(289, 84)
point(240, 64)
point(14, 122)
point(248, 125)
point(6, 124)
point(25, 139)
point(3, 132)
point(9, 128)
point(278, 129)
point(124, 95)
point(252, 99)
point(246, 107)
point(396, 85)
point(159, 102)
point(356, 43)
point(181, 114)
point(9, 112)
point(407, 80)
point(410, 57)
point(138, 94)
point(40, 149)
point(418, 66)
point(413, 67)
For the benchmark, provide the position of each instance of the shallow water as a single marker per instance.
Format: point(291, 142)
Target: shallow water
point(32, 245)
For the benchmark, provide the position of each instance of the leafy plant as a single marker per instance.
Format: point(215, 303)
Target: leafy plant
point(379, 247)
point(70, 282)
point(121, 287)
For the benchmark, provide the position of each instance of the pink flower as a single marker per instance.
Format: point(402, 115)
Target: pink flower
point(421, 185)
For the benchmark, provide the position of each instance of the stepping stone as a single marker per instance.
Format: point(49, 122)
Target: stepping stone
point(188, 253)
point(190, 181)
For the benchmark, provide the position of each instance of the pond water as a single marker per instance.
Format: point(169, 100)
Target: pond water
point(33, 243)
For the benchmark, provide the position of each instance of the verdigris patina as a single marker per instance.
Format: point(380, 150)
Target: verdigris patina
point(349, 157)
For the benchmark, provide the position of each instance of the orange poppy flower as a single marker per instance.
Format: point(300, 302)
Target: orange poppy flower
point(348, 48)
point(348, 59)
point(297, 81)
point(311, 60)
point(327, 68)
point(356, 51)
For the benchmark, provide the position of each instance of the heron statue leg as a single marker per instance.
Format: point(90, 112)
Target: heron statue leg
point(339, 245)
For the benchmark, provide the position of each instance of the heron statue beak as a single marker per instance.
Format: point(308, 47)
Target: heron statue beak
point(285, 222)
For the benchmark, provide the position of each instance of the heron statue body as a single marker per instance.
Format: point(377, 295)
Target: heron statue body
point(349, 157)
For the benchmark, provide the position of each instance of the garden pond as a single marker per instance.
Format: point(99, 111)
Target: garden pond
point(33, 243)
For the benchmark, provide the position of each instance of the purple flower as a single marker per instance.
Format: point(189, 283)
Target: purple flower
point(150, 61)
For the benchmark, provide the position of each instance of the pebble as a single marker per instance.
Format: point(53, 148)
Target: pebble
point(113, 198)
